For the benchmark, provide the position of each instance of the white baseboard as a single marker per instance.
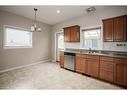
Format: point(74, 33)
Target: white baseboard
point(18, 67)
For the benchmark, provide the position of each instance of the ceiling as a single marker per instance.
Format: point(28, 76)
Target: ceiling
point(48, 14)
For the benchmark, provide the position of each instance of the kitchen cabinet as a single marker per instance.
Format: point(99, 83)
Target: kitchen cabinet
point(106, 68)
point(108, 30)
point(80, 63)
point(115, 29)
point(120, 28)
point(72, 34)
point(67, 35)
point(61, 59)
point(92, 65)
point(120, 71)
point(106, 71)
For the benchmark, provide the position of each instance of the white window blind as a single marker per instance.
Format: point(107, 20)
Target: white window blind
point(91, 38)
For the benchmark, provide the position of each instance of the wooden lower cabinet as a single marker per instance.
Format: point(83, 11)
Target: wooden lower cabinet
point(80, 66)
point(92, 67)
point(62, 59)
point(120, 71)
point(106, 71)
point(110, 69)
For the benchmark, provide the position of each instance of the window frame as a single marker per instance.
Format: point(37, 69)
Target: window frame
point(18, 28)
point(92, 28)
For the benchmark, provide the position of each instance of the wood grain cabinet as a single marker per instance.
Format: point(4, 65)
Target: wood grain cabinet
point(108, 30)
point(106, 71)
point(115, 29)
point(67, 35)
point(120, 71)
point(92, 65)
point(80, 66)
point(61, 59)
point(120, 28)
point(72, 34)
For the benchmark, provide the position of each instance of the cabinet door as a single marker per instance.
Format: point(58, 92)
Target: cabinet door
point(67, 35)
point(125, 74)
point(106, 70)
point(92, 67)
point(120, 28)
point(61, 59)
point(108, 30)
point(75, 34)
point(119, 73)
point(80, 63)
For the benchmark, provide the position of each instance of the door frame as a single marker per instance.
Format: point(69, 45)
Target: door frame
point(56, 33)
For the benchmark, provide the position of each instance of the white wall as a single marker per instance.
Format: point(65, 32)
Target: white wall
point(91, 20)
point(23, 56)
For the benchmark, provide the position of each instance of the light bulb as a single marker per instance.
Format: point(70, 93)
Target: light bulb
point(32, 28)
point(39, 29)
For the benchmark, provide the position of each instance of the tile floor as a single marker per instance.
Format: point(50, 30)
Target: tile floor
point(49, 76)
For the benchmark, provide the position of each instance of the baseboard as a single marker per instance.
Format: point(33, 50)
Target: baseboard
point(53, 60)
point(14, 68)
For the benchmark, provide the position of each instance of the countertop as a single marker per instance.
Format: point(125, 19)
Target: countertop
point(100, 53)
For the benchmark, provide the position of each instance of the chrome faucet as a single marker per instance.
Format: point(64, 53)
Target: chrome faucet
point(90, 50)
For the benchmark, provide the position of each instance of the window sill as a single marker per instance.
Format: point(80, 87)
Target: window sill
point(17, 47)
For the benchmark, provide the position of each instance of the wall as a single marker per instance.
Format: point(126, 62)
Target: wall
point(10, 58)
point(90, 20)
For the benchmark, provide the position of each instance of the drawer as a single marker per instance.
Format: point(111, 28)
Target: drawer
point(105, 58)
point(120, 60)
point(80, 55)
point(106, 65)
point(106, 75)
point(96, 57)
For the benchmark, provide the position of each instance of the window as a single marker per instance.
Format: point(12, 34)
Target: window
point(61, 41)
point(16, 38)
point(91, 38)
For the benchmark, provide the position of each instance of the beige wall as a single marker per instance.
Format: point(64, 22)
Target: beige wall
point(90, 20)
point(23, 56)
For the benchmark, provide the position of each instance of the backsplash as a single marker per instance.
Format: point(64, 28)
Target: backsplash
point(114, 46)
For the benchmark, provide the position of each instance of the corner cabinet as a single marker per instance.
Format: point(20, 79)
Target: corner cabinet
point(72, 34)
point(115, 29)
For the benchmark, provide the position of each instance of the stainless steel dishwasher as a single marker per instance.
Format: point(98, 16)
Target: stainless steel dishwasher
point(69, 61)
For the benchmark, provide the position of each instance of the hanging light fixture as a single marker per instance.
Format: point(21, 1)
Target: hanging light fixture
point(34, 27)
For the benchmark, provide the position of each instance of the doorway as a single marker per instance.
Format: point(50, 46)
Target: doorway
point(59, 44)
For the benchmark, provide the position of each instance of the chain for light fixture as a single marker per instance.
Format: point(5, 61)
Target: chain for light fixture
point(34, 27)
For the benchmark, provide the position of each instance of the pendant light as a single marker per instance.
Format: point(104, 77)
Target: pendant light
point(34, 27)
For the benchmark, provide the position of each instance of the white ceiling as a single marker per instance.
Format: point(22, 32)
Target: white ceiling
point(48, 14)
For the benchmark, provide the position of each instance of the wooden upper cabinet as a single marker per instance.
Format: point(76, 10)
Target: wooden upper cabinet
point(115, 29)
point(72, 34)
point(67, 35)
point(108, 30)
point(120, 28)
point(75, 34)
